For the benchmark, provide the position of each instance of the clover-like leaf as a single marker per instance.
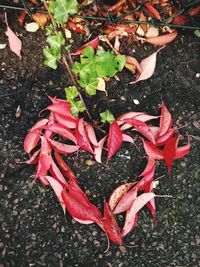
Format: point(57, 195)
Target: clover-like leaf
point(63, 8)
point(107, 116)
point(76, 107)
point(71, 93)
point(52, 54)
point(56, 40)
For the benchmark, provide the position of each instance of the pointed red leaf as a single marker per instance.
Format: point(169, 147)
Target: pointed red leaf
point(62, 148)
point(67, 121)
point(93, 43)
point(142, 128)
point(114, 139)
point(127, 138)
point(44, 162)
point(152, 151)
point(151, 205)
point(149, 167)
point(138, 204)
point(110, 226)
point(61, 108)
point(126, 201)
point(58, 188)
point(34, 158)
point(82, 137)
point(161, 140)
point(169, 151)
point(182, 151)
point(62, 130)
point(91, 134)
point(66, 170)
point(56, 173)
point(48, 133)
point(118, 193)
point(165, 120)
point(39, 125)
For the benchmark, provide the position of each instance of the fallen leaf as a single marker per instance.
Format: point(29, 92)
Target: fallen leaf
point(114, 139)
point(14, 42)
point(41, 19)
point(153, 12)
point(152, 151)
point(93, 43)
point(101, 86)
point(18, 112)
point(165, 120)
point(138, 204)
point(2, 46)
point(110, 226)
point(31, 27)
point(162, 39)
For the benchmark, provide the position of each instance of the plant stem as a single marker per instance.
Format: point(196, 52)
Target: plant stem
point(74, 81)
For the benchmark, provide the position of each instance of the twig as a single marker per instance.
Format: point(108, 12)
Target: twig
point(74, 81)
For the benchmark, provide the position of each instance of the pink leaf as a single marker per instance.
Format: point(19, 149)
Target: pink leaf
point(34, 158)
point(126, 201)
point(93, 43)
point(148, 66)
point(110, 226)
point(39, 125)
point(149, 167)
point(160, 141)
point(114, 139)
point(138, 204)
point(182, 151)
point(44, 162)
point(14, 42)
point(61, 108)
point(31, 141)
point(162, 39)
point(91, 134)
point(67, 121)
point(98, 149)
point(127, 138)
point(118, 193)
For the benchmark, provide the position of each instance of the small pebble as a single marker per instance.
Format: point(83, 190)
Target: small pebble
point(136, 102)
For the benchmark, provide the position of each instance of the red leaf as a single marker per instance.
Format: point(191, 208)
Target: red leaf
point(151, 205)
point(110, 226)
point(114, 139)
point(127, 138)
point(66, 170)
point(78, 209)
point(152, 151)
point(142, 128)
point(14, 42)
point(21, 17)
point(149, 167)
point(56, 173)
point(91, 134)
point(182, 151)
point(31, 141)
point(138, 204)
point(155, 14)
point(63, 131)
point(118, 193)
point(165, 120)
point(93, 43)
point(62, 148)
point(34, 158)
point(67, 121)
point(194, 11)
point(39, 125)
point(44, 162)
point(160, 141)
point(82, 137)
point(58, 188)
point(162, 39)
point(180, 20)
point(48, 133)
point(61, 108)
point(169, 151)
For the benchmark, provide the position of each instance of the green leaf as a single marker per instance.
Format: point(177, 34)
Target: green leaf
point(87, 55)
point(107, 116)
point(64, 8)
point(71, 93)
point(52, 6)
point(76, 107)
point(56, 40)
point(120, 61)
point(197, 33)
point(90, 84)
point(49, 29)
point(51, 54)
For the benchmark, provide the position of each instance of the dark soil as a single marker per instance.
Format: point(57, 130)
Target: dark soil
point(33, 230)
